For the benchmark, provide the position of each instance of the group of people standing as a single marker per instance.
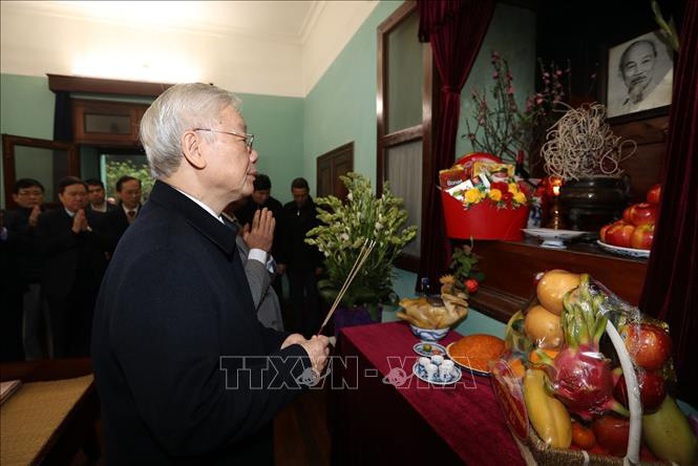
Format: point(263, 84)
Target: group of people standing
point(55, 260)
point(53, 263)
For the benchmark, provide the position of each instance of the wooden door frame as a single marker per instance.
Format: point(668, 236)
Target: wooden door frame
point(9, 142)
point(329, 158)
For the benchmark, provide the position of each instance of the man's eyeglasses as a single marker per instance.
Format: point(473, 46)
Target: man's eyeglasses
point(247, 138)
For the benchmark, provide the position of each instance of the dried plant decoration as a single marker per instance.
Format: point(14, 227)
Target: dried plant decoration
point(581, 144)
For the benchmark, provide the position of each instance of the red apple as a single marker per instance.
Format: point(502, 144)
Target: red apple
point(654, 194)
point(612, 433)
point(642, 237)
point(652, 390)
point(626, 215)
point(649, 345)
point(605, 228)
point(642, 213)
point(619, 234)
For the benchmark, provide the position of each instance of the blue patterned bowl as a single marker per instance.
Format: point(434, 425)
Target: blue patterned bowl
point(429, 334)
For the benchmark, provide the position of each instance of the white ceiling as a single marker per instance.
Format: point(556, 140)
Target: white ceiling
point(262, 47)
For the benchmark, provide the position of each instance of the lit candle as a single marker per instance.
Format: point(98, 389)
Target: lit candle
point(556, 190)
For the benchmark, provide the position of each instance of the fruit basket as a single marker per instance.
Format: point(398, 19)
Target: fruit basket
point(576, 354)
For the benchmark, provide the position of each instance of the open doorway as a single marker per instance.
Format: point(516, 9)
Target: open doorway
point(114, 166)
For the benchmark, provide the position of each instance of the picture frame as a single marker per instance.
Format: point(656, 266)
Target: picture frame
point(639, 77)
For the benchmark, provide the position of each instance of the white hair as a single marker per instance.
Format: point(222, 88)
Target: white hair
point(180, 108)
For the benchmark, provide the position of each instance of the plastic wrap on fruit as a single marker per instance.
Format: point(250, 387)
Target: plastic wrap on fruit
point(541, 322)
point(580, 375)
point(515, 338)
point(543, 327)
point(648, 343)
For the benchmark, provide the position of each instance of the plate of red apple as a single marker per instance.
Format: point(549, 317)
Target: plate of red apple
point(633, 234)
point(630, 252)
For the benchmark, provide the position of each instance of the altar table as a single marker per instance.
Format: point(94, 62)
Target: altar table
point(384, 415)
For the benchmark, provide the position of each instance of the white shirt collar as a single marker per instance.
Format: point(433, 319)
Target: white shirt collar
point(127, 210)
point(202, 205)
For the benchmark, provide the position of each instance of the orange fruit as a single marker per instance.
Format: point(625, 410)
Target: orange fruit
point(535, 358)
point(583, 436)
point(552, 287)
point(543, 327)
point(517, 368)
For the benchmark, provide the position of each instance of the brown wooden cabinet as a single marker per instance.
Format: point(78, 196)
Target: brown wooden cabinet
point(510, 269)
point(104, 122)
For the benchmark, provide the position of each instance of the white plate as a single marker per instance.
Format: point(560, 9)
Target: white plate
point(628, 252)
point(421, 374)
point(548, 234)
point(436, 349)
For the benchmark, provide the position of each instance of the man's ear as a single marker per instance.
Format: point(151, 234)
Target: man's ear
point(191, 149)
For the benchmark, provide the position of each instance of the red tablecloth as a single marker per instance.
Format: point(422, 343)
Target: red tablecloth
point(374, 421)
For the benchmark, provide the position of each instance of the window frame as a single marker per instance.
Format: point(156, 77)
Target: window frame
point(421, 131)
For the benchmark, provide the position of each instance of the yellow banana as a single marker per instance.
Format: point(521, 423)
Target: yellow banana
point(546, 413)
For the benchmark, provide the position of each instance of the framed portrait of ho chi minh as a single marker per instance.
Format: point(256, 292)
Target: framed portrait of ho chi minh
point(639, 77)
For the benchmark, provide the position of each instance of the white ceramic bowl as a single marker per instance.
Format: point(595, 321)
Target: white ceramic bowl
point(429, 334)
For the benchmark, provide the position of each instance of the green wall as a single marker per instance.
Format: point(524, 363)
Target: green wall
point(27, 108)
point(277, 123)
point(342, 105)
point(512, 33)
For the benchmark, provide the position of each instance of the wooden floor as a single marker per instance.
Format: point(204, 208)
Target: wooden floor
point(301, 437)
point(300, 432)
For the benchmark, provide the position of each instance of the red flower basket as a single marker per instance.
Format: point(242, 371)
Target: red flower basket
point(483, 220)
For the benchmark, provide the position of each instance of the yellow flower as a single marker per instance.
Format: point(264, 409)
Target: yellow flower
point(473, 195)
point(495, 195)
point(513, 188)
point(520, 198)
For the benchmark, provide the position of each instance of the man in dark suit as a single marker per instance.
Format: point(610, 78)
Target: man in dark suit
point(185, 372)
point(74, 264)
point(128, 190)
point(261, 198)
point(97, 197)
point(302, 262)
point(20, 224)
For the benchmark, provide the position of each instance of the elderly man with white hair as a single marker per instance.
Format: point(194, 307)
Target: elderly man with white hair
point(185, 372)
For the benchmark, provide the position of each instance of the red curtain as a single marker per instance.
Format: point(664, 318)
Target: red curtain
point(455, 29)
point(671, 287)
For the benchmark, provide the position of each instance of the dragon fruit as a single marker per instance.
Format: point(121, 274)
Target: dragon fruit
point(580, 375)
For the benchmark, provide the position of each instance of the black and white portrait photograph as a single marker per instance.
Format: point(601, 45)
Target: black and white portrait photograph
point(640, 75)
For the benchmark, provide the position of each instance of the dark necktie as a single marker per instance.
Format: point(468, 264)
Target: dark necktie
point(131, 215)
